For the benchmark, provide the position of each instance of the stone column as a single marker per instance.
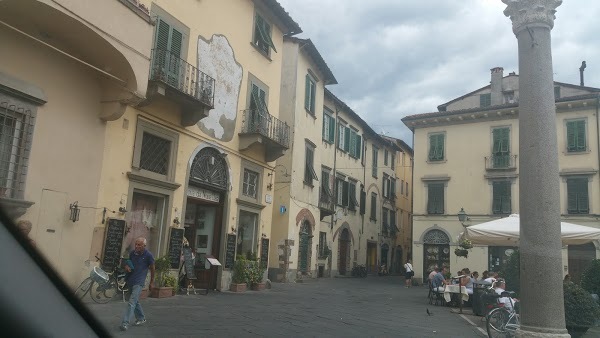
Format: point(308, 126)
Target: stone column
point(542, 308)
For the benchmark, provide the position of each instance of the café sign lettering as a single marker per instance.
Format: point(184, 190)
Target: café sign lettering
point(203, 194)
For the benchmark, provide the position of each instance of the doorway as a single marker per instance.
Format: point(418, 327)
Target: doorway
point(344, 252)
point(384, 255)
point(436, 251)
point(372, 257)
point(398, 260)
point(203, 231)
point(580, 258)
point(304, 248)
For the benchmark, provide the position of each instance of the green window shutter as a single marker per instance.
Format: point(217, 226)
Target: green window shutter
point(358, 145)
point(176, 42)
point(264, 32)
point(346, 139)
point(580, 135)
point(432, 146)
point(363, 202)
point(307, 93)
point(571, 197)
point(351, 196)
point(340, 136)
point(436, 147)
point(345, 193)
point(501, 198)
point(162, 35)
point(577, 196)
point(373, 206)
point(507, 199)
point(571, 136)
point(352, 143)
point(325, 128)
point(435, 198)
point(441, 146)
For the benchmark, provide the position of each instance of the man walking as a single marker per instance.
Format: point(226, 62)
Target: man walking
point(142, 261)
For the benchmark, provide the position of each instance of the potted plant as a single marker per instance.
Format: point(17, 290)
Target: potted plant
point(162, 266)
point(240, 275)
point(255, 275)
point(581, 310)
point(461, 252)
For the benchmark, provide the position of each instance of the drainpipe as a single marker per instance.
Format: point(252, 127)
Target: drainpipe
point(335, 138)
point(598, 132)
point(412, 196)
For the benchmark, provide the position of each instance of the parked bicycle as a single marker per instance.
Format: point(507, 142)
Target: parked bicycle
point(103, 286)
point(502, 321)
point(359, 271)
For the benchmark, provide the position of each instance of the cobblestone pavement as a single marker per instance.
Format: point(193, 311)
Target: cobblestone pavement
point(331, 307)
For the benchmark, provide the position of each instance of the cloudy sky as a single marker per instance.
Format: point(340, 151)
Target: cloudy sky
point(394, 58)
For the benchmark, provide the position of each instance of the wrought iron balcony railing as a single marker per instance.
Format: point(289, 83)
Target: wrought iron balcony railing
point(325, 200)
point(505, 161)
point(261, 122)
point(173, 71)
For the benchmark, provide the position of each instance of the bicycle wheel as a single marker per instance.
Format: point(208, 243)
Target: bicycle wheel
point(103, 293)
point(83, 288)
point(496, 323)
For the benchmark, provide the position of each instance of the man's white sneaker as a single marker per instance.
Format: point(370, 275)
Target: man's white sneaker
point(140, 322)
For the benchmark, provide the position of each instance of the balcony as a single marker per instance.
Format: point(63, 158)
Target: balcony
point(501, 162)
point(259, 128)
point(326, 204)
point(173, 78)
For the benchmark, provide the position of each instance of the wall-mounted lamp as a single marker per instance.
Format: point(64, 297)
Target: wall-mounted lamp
point(122, 210)
point(176, 221)
point(74, 216)
point(463, 217)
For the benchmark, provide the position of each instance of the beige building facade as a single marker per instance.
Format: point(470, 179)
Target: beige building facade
point(174, 126)
point(466, 157)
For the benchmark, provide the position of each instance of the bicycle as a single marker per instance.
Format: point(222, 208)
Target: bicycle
point(502, 321)
point(103, 286)
point(359, 271)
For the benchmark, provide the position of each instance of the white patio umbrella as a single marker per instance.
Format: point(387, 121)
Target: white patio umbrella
point(505, 231)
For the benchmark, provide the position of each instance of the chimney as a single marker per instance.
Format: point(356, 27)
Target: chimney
point(581, 69)
point(496, 97)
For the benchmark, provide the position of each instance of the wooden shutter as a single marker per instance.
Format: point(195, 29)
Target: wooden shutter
point(580, 135)
point(346, 139)
point(352, 143)
point(331, 129)
point(363, 202)
point(435, 198)
point(571, 136)
point(345, 193)
point(325, 128)
point(307, 99)
point(373, 206)
point(577, 196)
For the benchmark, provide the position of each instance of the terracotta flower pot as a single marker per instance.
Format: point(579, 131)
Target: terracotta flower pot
point(162, 292)
point(258, 286)
point(237, 287)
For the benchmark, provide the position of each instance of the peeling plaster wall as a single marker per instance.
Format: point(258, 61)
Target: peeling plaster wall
point(216, 58)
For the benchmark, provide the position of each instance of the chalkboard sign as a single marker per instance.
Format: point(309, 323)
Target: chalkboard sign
point(113, 243)
point(175, 245)
point(264, 252)
point(188, 263)
point(230, 251)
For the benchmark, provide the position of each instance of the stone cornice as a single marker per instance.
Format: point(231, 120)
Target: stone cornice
point(523, 13)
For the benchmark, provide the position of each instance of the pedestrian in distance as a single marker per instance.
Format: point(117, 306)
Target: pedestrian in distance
point(408, 273)
point(142, 261)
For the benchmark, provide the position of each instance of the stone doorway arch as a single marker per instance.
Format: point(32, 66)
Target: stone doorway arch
point(304, 247)
point(344, 252)
point(436, 250)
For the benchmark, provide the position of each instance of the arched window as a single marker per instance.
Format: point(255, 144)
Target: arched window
point(436, 250)
point(210, 168)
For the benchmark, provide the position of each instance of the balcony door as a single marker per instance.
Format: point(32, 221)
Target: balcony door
point(167, 60)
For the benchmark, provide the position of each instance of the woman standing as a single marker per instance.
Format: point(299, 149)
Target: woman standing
point(408, 274)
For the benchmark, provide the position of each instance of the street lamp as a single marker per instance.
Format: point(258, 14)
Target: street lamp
point(462, 216)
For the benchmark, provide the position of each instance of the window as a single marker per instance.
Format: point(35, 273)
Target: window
point(262, 35)
point(155, 151)
point(386, 186)
point(352, 202)
point(355, 143)
point(310, 94)
point(169, 44)
point(435, 198)
point(556, 93)
point(326, 185)
point(393, 161)
point(393, 228)
point(576, 136)
point(258, 118)
point(323, 249)
point(247, 233)
point(436, 147)
point(250, 183)
point(402, 187)
point(392, 188)
point(501, 197)
point(16, 129)
point(384, 222)
point(406, 188)
point(577, 196)
point(374, 169)
point(485, 100)
point(385, 157)
point(342, 188)
point(501, 148)
point(373, 206)
point(342, 131)
point(328, 126)
point(309, 167)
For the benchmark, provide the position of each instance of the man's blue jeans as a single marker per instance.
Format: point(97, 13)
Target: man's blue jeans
point(134, 305)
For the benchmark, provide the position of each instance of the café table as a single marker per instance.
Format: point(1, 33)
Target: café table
point(459, 290)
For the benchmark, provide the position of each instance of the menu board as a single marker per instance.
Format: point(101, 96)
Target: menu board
point(175, 245)
point(264, 252)
point(113, 242)
point(188, 263)
point(230, 251)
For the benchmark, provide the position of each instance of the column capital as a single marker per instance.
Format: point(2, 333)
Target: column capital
point(523, 13)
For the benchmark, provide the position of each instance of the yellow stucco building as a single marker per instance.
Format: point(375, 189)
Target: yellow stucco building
point(467, 156)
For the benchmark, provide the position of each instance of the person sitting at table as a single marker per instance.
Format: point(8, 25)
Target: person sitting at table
point(492, 277)
point(433, 273)
point(501, 287)
point(475, 276)
point(439, 281)
point(485, 275)
point(467, 281)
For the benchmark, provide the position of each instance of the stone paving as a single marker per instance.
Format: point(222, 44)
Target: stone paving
point(331, 307)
